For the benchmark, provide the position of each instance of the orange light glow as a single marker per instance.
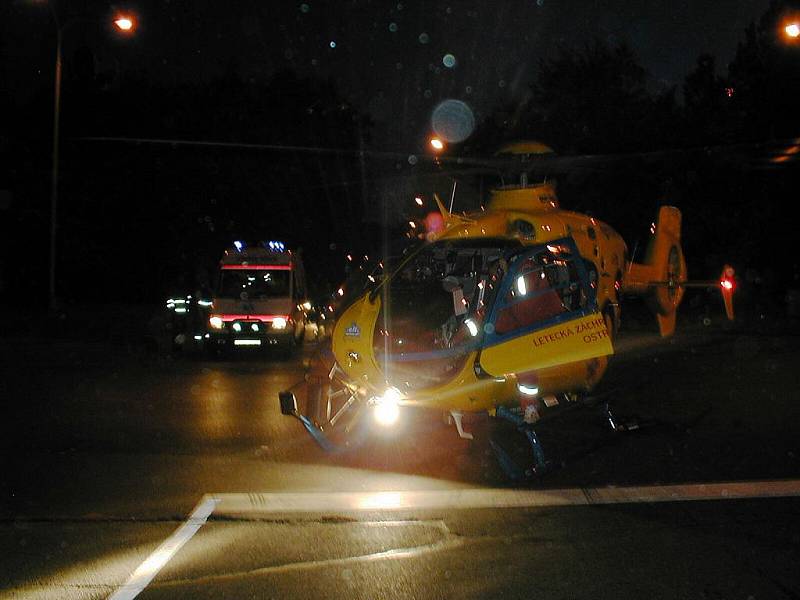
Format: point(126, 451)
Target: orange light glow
point(124, 23)
point(437, 144)
point(787, 155)
point(726, 284)
point(792, 30)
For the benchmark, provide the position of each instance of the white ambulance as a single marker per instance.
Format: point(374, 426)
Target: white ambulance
point(260, 299)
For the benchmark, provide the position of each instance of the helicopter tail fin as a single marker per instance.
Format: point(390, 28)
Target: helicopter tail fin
point(660, 278)
point(444, 212)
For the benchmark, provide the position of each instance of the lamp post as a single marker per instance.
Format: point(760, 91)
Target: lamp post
point(122, 23)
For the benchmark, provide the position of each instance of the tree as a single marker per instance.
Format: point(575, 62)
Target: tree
point(594, 99)
point(765, 79)
point(706, 98)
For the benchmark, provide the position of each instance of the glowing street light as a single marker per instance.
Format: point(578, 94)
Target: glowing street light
point(792, 30)
point(437, 144)
point(124, 23)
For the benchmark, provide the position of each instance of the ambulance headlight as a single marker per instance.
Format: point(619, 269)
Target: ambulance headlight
point(215, 322)
point(279, 323)
point(387, 407)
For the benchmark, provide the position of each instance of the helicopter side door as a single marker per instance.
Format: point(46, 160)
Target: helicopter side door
point(545, 312)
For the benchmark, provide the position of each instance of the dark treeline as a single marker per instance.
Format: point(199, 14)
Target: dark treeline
point(735, 198)
point(137, 220)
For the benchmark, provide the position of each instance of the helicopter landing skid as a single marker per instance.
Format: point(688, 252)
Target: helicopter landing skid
point(508, 464)
point(289, 408)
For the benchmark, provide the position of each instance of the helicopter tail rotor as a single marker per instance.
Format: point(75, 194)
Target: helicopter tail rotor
point(662, 276)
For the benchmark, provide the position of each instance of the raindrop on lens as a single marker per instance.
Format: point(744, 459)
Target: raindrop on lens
point(393, 27)
point(449, 61)
point(412, 159)
point(453, 120)
point(424, 38)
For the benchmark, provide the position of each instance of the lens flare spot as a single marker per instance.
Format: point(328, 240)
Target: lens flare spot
point(453, 120)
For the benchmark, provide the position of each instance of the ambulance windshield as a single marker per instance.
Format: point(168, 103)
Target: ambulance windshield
point(257, 284)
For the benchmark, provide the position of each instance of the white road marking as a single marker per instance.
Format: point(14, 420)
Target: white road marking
point(333, 502)
point(146, 571)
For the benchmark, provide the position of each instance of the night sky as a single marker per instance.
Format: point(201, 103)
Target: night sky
point(397, 60)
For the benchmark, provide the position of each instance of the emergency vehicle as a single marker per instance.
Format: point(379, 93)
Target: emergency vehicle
point(260, 298)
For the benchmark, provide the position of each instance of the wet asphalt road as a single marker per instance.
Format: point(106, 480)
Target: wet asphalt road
point(108, 449)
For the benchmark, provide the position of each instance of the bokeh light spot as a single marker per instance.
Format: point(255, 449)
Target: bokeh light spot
point(453, 120)
point(393, 27)
point(449, 61)
point(424, 38)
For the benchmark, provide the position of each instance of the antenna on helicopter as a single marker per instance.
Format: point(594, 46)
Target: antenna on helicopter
point(453, 194)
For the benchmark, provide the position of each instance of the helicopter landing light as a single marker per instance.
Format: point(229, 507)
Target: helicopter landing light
point(387, 407)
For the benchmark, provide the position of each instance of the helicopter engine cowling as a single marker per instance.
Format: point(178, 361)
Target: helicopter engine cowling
point(661, 277)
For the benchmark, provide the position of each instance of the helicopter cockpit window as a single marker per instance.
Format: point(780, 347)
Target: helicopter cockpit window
point(435, 307)
point(545, 286)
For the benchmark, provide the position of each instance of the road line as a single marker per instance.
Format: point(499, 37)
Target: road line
point(334, 502)
point(146, 571)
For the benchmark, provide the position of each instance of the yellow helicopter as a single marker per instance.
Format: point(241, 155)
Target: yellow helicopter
point(511, 310)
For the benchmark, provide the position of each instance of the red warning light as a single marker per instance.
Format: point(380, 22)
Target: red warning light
point(726, 284)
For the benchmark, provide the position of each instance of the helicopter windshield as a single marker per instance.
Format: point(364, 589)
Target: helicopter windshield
point(434, 309)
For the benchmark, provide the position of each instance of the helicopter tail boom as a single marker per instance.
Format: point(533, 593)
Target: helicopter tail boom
point(662, 276)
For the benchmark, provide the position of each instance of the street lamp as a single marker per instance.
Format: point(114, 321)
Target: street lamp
point(792, 30)
point(123, 23)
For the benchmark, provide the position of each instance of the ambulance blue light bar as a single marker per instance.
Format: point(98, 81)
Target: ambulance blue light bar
point(275, 246)
point(238, 245)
